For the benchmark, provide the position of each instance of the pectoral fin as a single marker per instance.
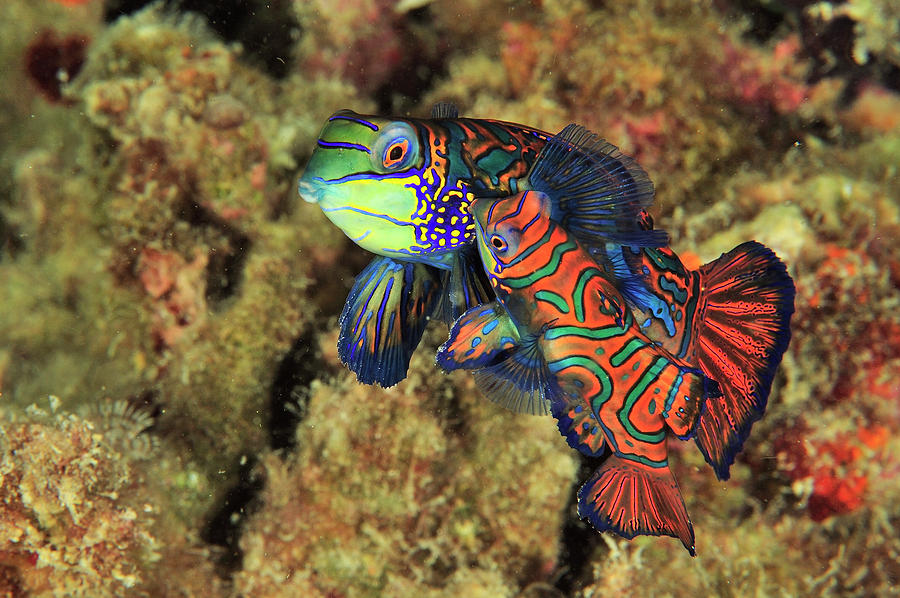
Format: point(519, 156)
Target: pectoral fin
point(508, 368)
point(481, 337)
point(522, 382)
point(384, 318)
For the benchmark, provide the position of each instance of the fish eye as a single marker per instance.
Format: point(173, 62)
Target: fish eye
point(395, 147)
point(499, 243)
point(395, 153)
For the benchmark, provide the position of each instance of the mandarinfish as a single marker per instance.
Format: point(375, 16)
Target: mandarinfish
point(404, 189)
point(401, 188)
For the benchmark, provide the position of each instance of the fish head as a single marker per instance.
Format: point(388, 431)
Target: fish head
point(365, 173)
point(507, 227)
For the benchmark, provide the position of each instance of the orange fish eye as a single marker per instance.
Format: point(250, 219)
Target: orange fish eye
point(499, 243)
point(395, 153)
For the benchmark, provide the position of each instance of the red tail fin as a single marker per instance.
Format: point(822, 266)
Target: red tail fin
point(749, 299)
point(632, 499)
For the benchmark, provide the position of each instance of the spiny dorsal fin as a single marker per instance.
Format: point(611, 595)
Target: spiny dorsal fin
point(444, 110)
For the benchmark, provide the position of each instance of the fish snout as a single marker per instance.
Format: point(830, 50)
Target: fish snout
point(309, 190)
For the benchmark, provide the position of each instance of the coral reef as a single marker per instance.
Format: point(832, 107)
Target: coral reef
point(408, 492)
point(876, 25)
point(160, 276)
point(82, 509)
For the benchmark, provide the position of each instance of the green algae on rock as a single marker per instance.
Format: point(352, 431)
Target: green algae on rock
point(402, 491)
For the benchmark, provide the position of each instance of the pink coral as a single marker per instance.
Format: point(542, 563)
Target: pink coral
point(359, 39)
point(519, 54)
point(178, 288)
point(876, 111)
point(838, 469)
point(758, 79)
point(62, 529)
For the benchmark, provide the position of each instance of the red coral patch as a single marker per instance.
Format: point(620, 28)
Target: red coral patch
point(51, 60)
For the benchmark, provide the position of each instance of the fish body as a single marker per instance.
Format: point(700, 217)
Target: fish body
point(401, 188)
point(562, 332)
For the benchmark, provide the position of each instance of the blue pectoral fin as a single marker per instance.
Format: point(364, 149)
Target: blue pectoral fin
point(598, 193)
point(479, 338)
point(521, 382)
point(384, 318)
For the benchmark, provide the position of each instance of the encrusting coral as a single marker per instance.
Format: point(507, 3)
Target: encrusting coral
point(179, 209)
point(83, 509)
point(408, 492)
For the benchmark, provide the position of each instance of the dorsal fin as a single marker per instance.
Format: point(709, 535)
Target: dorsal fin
point(599, 192)
point(444, 110)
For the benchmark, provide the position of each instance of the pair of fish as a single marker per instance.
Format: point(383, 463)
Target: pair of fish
point(563, 297)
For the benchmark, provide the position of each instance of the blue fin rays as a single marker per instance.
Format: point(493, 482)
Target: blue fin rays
point(510, 370)
point(599, 191)
point(384, 318)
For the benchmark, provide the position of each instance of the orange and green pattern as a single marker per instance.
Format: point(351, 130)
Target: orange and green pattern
point(730, 318)
point(608, 385)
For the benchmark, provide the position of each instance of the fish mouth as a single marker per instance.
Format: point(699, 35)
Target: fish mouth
point(309, 190)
